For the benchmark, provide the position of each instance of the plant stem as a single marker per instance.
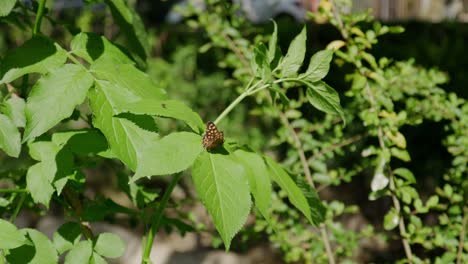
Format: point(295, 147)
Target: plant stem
point(77, 207)
point(156, 219)
point(231, 106)
point(40, 13)
point(308, 175)
point(249, 91)
point(18, 207)
point(12, 191)
point(401, 223)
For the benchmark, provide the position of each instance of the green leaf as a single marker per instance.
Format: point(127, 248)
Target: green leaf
point(295, 56)
point(68, 235)
point(61, 91)
point(93, 47)
point(432, 201)
point(400, 154)
point(261, 66)
point(259, 180)
point(223, 188)
point(167, 108)
point(295, 195)
point(85, 141)
point(318, 66)
point(324, 98)
point(38, 54)
point(129, 84)
point(317, 209)
point(14, 109)
point(172, 153)
point(126, 138)
point(56, 161)
point(10, 236)
point(391, 220)
point(109, 245)
point(96, 259)
point(405, 174)
point(99, 208)
point(39, 181)
point(131, 26)
point(272, 43)
point(42, 250)
point(6, 7)
point(10, 138)
point(80, 254)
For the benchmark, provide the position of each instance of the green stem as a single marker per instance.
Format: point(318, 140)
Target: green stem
point(40, 14)
point(156, 219)
point(231, 106)
point(249, 91)
point(13, 190)
point(18, 207)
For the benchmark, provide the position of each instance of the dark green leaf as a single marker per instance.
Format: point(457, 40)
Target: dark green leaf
point(93, 47)
point(131, 26)
point(261, 65)
point(295, 195)
point(272, 43)
point(317, 209)
point(295, 56)
point(38, 54)
point(42, 251)
point(324, 98)
point(318, 66)
point(67, 236)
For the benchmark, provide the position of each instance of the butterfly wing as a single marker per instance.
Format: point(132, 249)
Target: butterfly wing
point(213, 137)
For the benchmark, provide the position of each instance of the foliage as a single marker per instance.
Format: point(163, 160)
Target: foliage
point(384, 97)
point(122, 104)
point(74, 104)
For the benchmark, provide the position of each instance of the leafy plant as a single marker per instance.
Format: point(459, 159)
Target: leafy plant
point(117, 102)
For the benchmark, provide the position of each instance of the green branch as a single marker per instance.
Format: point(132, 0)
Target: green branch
point(156, 219)
point(40, 14)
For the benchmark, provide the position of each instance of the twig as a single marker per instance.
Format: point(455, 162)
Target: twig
point(308, 175)
point(343, 143)
point(236, 50)
point(75, 204)
point(337, 16)
point(298, 146)
point(401, 222)
point(156, 219)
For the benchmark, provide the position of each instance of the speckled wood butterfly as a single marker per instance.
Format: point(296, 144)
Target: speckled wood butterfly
point(213, 137)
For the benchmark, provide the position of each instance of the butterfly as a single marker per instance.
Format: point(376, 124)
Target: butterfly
point(213, 137)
